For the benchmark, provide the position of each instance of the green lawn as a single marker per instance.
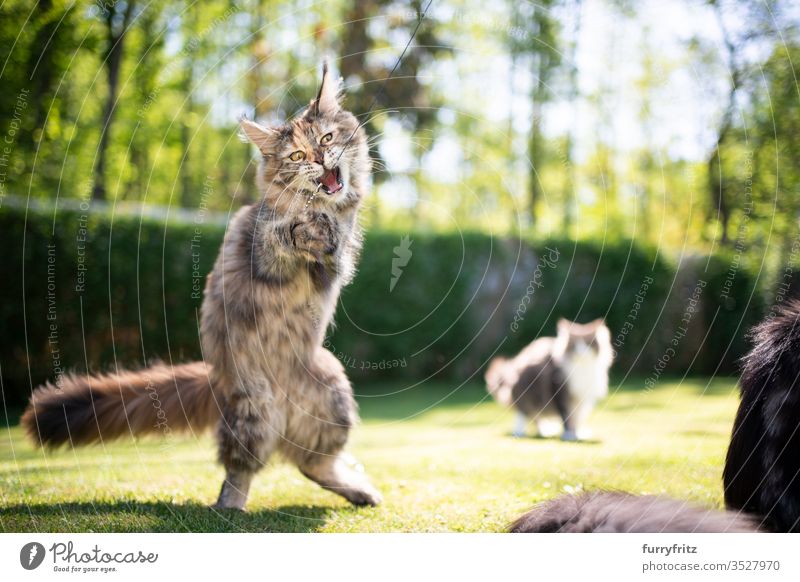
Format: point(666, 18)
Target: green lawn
point(441, 454)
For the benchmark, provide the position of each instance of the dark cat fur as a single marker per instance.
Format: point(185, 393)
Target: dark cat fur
point(762, 469)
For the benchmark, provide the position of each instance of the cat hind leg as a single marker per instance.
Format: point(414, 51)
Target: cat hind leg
point(248, 434)
point(520, 425)
point(333, 474)
point(317, 430)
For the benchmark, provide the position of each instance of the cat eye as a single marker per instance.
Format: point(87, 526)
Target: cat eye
point(326, 138)
point(297, 156)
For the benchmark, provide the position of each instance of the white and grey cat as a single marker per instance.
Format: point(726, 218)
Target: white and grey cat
point(562, 376)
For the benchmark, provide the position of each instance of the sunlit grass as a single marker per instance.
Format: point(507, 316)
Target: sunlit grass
point(441, 455)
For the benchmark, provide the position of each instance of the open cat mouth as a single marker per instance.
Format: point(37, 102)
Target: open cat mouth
point(330, 181)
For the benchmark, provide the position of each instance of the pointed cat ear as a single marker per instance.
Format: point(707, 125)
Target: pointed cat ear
point(327, 100)
point(265, 138)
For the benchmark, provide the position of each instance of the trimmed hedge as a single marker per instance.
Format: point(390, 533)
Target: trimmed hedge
point(82, 289)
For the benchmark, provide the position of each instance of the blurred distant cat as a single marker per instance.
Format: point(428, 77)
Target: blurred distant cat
point(564, 375)
point(267, 383)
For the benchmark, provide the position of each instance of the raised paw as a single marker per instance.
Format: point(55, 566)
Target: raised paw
point(315, 233)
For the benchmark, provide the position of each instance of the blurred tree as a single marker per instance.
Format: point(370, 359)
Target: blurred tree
point(35, 97)
point(116, 18)
point(190, 33)
point(379, 82)
point(569, 195)
point(645, 175)
point(144, 97)
point(149, 63)
point(744, 26)
point(773, 123)
point(43, 62)
point(540, 45)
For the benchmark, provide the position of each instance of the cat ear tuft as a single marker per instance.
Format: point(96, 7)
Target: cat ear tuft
point(329, 95)
point(256, 134)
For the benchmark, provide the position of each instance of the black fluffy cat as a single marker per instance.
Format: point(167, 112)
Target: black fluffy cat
point(762, 468)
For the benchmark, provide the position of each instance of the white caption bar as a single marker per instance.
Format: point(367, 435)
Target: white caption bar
point(406, 557)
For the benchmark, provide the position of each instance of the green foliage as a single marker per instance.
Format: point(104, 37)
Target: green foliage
point(91, 288)
point(187, 71)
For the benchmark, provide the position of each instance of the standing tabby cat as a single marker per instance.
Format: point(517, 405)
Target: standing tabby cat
point(267, 382)
point(564, 375)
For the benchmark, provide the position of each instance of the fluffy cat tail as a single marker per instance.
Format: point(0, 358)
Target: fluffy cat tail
point(498, 382)
point(87, 409)
point(617, 512)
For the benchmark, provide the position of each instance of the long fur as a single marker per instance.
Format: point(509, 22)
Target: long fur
point(616, 512)
point(762, 468)
point(498, 382)
point(88, 409)
point(550, 377)
point(270, 385)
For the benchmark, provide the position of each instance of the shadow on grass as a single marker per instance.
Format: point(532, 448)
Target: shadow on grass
point(634, 406)
point(131, 516)
point(554, 439)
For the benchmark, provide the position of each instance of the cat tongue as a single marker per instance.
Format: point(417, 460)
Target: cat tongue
point(330, 179)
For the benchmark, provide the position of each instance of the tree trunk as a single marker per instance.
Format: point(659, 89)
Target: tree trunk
point(542, 65)
point(186, 177)
point(114, 53)
point(571, 181)
point(535, 149)
point(716, 183)
point(534, 156)
point(717, 187)
point(41, 68)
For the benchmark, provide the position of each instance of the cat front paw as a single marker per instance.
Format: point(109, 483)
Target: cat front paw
point(316, 234)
